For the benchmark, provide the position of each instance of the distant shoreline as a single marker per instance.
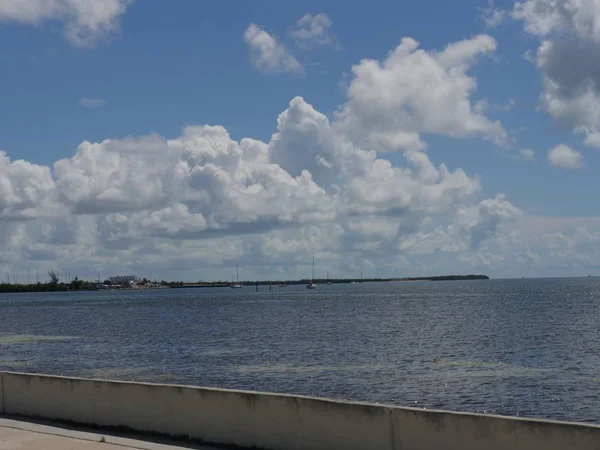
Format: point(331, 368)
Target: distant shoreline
point(445, 278)
point(87, 286)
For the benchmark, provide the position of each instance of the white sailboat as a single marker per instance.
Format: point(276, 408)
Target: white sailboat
point(311, 284)
point(237, 285)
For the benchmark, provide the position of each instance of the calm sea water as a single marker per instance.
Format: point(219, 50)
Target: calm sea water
point(516, 347)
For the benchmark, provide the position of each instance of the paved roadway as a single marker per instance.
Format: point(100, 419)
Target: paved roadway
point(18, 435)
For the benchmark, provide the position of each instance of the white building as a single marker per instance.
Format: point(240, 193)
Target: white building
point(123, 279)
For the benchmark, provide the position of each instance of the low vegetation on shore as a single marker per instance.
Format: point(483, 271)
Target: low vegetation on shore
point(55, 285)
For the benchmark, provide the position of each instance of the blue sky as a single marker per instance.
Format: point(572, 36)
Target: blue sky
point(163, 68)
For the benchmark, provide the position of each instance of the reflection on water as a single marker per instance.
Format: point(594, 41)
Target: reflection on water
point(223, 351)
point(7, 339)
point(495, 369)
point(517, 347)
point(12, 364)
point(112, 373)
point(306, 369)
point(126, 374)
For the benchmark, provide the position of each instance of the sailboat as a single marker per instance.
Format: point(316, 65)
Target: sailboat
point(311, 284)
point(237, 285)
point(328, 282)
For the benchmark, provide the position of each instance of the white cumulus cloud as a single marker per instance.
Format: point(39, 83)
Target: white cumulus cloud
point(86, 22)
point(309, 190)
point(565, 157)
point(490, 214)
point(569, 34)
point(268, 54)
point(27, 191)
point(414, 91)
point(202, 199)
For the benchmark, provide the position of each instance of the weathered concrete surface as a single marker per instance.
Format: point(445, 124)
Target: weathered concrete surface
point(279, 422)
point(18, 435)
point(1, 393)
point(245, 419)
point(414, 429)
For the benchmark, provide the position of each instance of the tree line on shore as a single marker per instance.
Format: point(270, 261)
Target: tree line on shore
point(55, 285)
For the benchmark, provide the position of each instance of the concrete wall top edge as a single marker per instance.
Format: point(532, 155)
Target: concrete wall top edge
point(388, 407)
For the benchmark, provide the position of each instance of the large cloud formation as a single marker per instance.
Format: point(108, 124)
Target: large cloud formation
point(319, 186)
point(569, 33)
point(414, 91)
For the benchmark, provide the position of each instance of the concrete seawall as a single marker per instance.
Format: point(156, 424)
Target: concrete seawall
point(277, 422)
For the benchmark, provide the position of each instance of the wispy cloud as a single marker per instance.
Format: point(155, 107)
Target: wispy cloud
point(313, 31)
point(528, 154)
point(86, 22)
point(493, 16)
point(268, 54)
point(91, 102)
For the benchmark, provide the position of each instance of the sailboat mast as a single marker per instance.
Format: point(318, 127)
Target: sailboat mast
point(237, 274)
point(313, 276)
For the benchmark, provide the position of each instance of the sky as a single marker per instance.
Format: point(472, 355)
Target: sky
point(179, 139)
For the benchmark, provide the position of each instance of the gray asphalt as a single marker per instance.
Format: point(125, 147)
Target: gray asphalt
point(21, 435)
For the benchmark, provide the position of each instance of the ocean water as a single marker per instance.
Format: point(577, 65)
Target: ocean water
point(514, 347)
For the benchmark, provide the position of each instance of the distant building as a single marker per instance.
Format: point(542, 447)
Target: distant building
point(123, 279)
